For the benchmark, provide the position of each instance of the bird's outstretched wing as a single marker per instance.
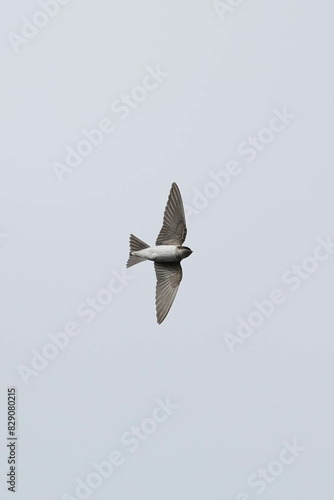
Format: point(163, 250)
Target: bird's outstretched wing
point(169, 276)
point(174, 229)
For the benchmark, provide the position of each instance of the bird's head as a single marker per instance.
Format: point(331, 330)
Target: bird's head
point(183, 252)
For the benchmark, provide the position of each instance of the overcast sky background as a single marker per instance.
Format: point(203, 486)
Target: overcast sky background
point(225, 77)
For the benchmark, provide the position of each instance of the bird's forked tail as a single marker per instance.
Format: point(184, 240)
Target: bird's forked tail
point(135, 245)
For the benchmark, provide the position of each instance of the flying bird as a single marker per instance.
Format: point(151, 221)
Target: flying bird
point(166, 255)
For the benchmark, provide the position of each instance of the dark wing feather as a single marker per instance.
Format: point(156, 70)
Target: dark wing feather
point(174, 229)
point(169, 276)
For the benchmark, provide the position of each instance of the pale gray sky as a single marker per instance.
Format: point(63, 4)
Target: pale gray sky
point(104, 105)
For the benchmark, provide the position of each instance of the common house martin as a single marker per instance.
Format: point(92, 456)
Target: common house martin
point(166, 255)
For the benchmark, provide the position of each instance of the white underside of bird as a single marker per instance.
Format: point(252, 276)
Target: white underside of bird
point(161, 253)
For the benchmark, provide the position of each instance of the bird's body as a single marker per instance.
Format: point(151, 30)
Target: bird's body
point(163, 253)
point(167, 254)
